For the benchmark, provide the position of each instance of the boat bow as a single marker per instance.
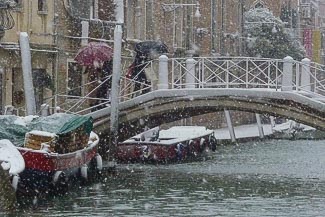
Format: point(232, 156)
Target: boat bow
point(11, 158)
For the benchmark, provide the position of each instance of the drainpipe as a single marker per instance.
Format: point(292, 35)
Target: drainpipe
point(213, 25)
point(241, 32)
point(222, 37)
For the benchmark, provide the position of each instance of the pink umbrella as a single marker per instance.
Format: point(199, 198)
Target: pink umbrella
point(94, 54)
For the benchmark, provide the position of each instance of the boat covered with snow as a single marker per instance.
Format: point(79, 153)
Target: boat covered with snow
point(176, 144)
point(293, 130)
point(43, 153)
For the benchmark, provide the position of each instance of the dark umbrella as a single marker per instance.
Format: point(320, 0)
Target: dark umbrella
point(151, 48)
point(145, 51)
point(94, 54)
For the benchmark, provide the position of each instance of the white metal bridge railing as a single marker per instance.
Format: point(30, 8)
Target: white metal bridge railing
point(90, 101)
point(207, 72)
point(226, 72)
point(244, 72)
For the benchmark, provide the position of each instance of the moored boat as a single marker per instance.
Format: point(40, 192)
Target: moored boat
point(176, 144)
point(53, 150)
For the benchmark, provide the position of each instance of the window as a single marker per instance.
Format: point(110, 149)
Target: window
point(305, 11)
point(74, 79)
point(18, 96)
point(130, 30)
point(42, 6)
point(19, 5)
point(41, 80)
point(259, 5)
point(289, 16)
point(136, 20)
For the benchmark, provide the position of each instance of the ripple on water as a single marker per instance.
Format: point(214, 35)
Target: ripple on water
point(272, 178)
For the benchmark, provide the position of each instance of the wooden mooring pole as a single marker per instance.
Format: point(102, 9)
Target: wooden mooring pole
point(118, 32)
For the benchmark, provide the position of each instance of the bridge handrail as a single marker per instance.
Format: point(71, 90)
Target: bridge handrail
point(208, 72)
point(226, 72)
point(314, 78)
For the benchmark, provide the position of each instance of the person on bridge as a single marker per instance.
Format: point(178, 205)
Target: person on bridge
point(138, 71)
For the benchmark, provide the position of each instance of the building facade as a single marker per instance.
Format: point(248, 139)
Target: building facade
point(218, 31)
point(55, 33)
point(36, 18)
point(58, 29)
point(312, 28)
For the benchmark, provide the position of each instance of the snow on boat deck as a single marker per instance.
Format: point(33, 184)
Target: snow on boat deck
point(10, 157)
point(173, 135)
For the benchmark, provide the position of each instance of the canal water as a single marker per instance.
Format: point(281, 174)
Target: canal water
point(269, 178)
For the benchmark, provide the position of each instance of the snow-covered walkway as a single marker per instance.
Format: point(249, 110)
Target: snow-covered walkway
point(243, 131)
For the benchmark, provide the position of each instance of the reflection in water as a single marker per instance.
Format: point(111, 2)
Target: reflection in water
point(273, 178)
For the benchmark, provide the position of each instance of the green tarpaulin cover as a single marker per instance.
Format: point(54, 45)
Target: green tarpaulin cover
point(14, 128)
point(76, 122)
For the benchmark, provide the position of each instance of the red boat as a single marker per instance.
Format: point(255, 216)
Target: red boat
point(50, 159)
point(176, 144)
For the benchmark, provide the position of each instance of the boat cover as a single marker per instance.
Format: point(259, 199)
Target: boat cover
point(75, 122)
point(14, 128)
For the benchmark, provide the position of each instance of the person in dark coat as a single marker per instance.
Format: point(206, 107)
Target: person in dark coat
point(137, 71)
point(145, 52)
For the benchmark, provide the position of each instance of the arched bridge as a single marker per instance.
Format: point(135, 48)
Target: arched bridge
point(183, 88)
point(163, 106)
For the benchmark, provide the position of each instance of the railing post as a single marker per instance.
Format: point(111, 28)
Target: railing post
point(190, 73)
point(287, 74)
point(163, 72)
point(57, 109)
point(227, 74)
point(305, 75)
point(44, 110)
point(9, 110)
point(202, 74)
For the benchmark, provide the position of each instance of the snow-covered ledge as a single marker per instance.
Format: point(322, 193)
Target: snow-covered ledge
point(287, 74)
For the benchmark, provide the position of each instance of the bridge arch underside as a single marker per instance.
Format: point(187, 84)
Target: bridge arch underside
point(168, 109)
